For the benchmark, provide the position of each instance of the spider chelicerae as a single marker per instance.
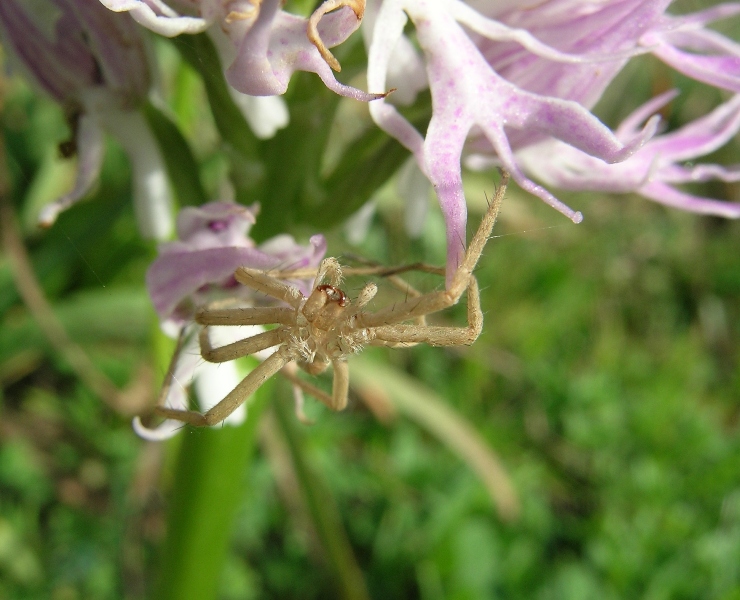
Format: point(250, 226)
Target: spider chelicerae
point(326, 327)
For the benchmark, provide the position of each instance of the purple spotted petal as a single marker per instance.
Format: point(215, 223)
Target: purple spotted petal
point(587, 29)
point(523, 74)
point(213, 244)
point(670, 196)
point(214, 225)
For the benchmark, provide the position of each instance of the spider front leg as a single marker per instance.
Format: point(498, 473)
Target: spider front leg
point(340, 385)
point(462, 278)
point(245, 347)
point(248, 386)
point(399, 334)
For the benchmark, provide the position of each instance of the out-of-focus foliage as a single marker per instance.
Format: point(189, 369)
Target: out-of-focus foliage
point(607, 379)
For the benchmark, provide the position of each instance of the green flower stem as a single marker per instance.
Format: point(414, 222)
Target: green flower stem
point(208, 486)
point(324, 513)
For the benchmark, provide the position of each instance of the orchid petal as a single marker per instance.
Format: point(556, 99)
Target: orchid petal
point(213, 225)
point(184, 364)
point(466, 93)
point(212, 244)
point(650, 171)
point(213, 382)
point(496, 30)
point(386, 34)
point(90, 149)
point(670, 196)
point(152, 194)
point(163, 20)
point(718, 71)
point(276, 46)
point(265, 114)
point(708, 15)
point(678, 174)
point(413, 187)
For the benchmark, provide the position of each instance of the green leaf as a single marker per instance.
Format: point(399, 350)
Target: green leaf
point(209, 484)
point(181, 166)
point(199, 52)
point(373, 160)
point(324, 512)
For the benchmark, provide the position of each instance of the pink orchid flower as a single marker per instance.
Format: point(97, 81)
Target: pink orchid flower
point(506, 75)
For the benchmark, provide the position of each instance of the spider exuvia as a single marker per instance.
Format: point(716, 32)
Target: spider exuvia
point(326, 327)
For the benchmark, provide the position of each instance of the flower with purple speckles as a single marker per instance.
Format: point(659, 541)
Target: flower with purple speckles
point(212, 242)
point(505, 76)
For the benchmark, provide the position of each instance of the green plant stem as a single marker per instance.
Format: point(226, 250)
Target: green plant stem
point(208, 486)
point(324, 513)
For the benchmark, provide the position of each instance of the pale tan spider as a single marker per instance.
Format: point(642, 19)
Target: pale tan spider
point(326, 327)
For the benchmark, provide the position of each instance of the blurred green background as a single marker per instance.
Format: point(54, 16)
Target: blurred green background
point(606, 381)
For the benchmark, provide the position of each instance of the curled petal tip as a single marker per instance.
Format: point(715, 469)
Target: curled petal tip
point(48, 215)
point(577, 217)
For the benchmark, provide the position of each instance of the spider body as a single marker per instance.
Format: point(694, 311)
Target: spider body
point(326, 327)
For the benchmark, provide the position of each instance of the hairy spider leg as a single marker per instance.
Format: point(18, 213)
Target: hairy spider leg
point(245, 347)
point(280, 315)
point(384, 324)
point(435, 335)
point(340, 384)
point(262, 282)
point(235, 398)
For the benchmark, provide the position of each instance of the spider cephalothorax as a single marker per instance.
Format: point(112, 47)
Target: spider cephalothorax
point(325, 327)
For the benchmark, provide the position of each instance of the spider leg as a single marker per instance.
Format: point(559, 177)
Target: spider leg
point(436, 301)
point(245, 316)
point(235, 398)
point(307, 387)
point(475, 248)
point(330, 270)
point(340, 386)
point(260, 281)
point(410, 335)
point(245, 347)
